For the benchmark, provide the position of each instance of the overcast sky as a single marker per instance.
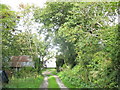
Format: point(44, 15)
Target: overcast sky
point(15, 3)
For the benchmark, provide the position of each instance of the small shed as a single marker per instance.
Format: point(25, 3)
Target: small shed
point(21, 61)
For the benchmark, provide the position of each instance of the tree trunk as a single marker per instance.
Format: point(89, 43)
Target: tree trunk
point(39, 68)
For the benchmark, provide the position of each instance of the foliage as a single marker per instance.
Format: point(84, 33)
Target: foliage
point(86, 41)
point(8, 20)
point(97, 65)
point(17, 42)
point(86, 34)
point(25, 72)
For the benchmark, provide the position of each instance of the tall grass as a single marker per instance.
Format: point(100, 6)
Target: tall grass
point(28, 82)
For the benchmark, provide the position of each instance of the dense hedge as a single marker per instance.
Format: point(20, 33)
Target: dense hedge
point(98, 67)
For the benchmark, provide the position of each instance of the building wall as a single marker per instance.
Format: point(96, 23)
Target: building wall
point(51, 63)
point(27, 64)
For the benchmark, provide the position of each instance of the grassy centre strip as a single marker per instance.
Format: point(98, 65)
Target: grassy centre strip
point(52, 82)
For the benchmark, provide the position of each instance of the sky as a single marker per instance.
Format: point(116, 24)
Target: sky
point(15, 3)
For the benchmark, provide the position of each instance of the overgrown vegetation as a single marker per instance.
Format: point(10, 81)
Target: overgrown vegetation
point(66, 80)
point(86, 34)
point(87, 37)
point(100, 66)
point(19, 42)
point(28, 82)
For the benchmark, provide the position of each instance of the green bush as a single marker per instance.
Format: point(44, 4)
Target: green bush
point(25, 72)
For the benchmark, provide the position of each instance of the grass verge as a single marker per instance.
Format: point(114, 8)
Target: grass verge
point(65, 82)
point(29, 82)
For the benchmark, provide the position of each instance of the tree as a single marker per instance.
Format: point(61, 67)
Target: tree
point(82, 32)
point(17, 42)
point(36, 47)
point(8, 23)
point(89, 17)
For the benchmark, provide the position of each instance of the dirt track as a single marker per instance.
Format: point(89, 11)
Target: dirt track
point(45, 83)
